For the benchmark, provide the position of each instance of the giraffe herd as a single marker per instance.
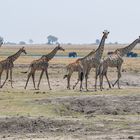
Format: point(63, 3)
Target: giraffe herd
point(82, 66)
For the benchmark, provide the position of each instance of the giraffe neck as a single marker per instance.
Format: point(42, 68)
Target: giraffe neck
point(100, 49)
point(15, 56)
point(127, 49)
point(51, 54)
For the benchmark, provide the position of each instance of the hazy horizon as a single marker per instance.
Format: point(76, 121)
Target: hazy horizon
point(73, 21)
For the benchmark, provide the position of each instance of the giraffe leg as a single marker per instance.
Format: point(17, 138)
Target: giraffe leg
point(48, 79)
point(33, 77)
point(7, 74)
point(101, 81)
point(119, 76)
point(108, 81)
point(11, 78)
point(29, 75)
point(86, 77)
point(96, 76)
point(0, 77)
point(81, 77)
point(76, 83)
point(68, 82)
point(42, 72)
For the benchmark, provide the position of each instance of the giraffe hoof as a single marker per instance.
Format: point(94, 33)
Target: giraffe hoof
point(50, 89)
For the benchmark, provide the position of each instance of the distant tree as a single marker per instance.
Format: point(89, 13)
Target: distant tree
point(10, 43)
point(30, 41)
point(52, 39)
point(1, 41)
point(116, 43)
point(97, 41)
point(22, 43)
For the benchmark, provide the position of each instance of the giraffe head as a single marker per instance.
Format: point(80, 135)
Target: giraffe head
point(105, 33)
point(60, 48)
point(23, 50)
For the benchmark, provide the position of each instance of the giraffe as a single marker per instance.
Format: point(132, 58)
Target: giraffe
point(93, 61)
point(115, 60)
point(74, 67)
point(8, 65)
point(41, 65)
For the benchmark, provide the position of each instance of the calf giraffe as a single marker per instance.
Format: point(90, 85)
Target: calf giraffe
point(75, 67)
point(8, 65)
point(115, 60)
point(41, 64)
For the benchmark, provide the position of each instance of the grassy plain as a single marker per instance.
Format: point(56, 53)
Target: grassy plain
point(32, 103)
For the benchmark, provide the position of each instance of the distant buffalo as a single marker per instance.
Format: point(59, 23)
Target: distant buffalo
point(131, 54)
point(72, 54)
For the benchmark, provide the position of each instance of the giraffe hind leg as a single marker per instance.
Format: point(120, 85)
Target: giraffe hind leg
point(29, 75)
point(40, 79)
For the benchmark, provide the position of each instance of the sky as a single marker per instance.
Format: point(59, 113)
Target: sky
point(72, 21)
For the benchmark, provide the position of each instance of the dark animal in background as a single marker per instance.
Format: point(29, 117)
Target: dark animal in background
point(72, 54)
point(132, 54)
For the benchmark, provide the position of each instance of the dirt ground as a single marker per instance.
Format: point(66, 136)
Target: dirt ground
point(61, 114)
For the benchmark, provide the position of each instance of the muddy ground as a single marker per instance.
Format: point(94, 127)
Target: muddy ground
point(92, 116)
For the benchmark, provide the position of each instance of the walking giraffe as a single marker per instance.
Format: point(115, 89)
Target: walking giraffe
point(75, 67)
point(115, 60)
point(8, 65)
point(41, 64)
point(93, 61)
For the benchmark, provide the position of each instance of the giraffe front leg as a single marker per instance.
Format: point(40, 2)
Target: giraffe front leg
point(11, 78)
point(96, 76)
point(0, 78)
point(42, 72)
point(48, 79)
point(101, 81)
point(86, 77)
point(108, 81)
point(117, 81)
point(29, 75)
point(77, 81)
point(119, 76)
